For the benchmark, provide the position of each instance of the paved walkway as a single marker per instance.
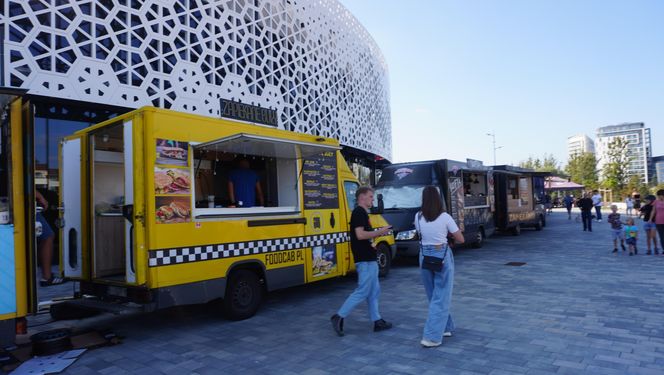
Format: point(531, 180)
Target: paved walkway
point(574, 308)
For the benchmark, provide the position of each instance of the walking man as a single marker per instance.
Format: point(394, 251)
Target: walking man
point(568, 201)
point(586, 206)
point(597, 202)
point(366, 264)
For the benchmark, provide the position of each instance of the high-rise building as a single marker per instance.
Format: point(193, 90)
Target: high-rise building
point(638, 149)
point(579, 144)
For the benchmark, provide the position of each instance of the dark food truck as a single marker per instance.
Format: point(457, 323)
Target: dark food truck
point(519, 195)
point(464, 186)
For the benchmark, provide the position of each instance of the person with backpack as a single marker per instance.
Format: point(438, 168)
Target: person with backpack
point(433, 226)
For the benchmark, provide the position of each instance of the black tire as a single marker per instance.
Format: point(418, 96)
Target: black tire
point(540, 224)
point(479, 239)
point(384, 259)
point(543, 221)
point(516, 230)
point(244, 295)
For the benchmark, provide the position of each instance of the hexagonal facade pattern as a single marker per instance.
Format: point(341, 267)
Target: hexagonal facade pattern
point(309, 59)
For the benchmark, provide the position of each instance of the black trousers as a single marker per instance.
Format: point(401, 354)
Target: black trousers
point(660, 231)
point(587, 218)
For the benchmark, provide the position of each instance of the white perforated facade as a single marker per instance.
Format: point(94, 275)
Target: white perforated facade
point(309, 59)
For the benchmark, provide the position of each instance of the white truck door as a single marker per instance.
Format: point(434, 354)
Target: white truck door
point(130, 236)
point(71, 204)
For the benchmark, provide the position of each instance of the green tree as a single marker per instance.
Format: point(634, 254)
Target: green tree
point(582, 169)
point(614, 173)
point(654, 189)
point(548, 163)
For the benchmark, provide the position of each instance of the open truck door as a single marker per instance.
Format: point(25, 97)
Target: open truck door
point(71, 208)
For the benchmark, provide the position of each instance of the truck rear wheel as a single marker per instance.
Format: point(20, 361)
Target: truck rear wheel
point(516, 230)
point(384, 260)
point(540, 223)
point(244, 295)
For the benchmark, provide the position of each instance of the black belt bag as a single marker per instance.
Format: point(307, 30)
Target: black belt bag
point(430, 263)
point(434, 264)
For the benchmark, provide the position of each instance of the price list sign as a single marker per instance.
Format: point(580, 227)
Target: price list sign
point(321, 187)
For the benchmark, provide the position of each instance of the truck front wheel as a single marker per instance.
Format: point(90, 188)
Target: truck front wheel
point(244, 295)
point(384, 259)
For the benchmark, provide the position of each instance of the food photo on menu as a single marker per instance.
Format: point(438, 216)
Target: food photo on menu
point(172, 152)
point(173, 210)
point(324, 260)
point(172, 181)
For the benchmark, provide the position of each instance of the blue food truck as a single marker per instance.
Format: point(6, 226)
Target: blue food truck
point(466, 189)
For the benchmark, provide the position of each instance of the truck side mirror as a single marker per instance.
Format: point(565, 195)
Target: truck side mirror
point(380, 207)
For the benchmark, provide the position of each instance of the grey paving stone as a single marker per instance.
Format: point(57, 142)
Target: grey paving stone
point(573, 308)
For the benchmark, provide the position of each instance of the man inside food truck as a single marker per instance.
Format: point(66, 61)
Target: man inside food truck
point(244, 186)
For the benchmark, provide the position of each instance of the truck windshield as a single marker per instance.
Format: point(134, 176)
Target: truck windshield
point(404, 196)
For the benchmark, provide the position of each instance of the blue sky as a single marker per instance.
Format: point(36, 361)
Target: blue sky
point(534, 71)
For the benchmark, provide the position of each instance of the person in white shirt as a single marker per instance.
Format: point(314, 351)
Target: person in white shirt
point(433, 225)
point(597, 202)
point(629, 204)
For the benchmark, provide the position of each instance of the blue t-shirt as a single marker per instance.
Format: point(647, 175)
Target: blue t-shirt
point(244, 183)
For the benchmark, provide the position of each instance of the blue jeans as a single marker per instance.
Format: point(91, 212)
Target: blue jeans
point(438, 286)
point(368, 289)
point(598, 212)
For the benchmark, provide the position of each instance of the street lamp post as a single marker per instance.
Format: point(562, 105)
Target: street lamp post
point(493, 135)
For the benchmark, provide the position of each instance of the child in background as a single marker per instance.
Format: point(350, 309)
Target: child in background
point(631, 232)
point(616, 228)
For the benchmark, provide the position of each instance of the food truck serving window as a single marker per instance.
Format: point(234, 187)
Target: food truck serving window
point(250, 175)
point(474, 189)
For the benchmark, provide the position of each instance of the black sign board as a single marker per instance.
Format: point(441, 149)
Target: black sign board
point(250, 113)
point(321, 186)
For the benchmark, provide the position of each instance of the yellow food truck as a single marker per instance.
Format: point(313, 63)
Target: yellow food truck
point(16, 287)
point(148, 213)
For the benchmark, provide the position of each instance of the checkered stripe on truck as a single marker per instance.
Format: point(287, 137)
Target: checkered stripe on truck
point(189, 254)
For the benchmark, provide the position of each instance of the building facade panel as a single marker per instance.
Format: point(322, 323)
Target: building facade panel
point(310, 60)
point(658, 167)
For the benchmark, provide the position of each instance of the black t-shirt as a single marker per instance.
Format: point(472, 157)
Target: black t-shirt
point(646, 211)
point(362, 249)
point(586, 204)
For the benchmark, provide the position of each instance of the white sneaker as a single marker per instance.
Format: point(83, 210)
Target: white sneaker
point(429, 344)
point(447, 334)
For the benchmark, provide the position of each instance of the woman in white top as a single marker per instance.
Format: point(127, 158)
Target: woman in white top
point(433, 225)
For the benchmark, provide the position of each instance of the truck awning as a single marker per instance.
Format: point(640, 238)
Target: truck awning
point(249, 144)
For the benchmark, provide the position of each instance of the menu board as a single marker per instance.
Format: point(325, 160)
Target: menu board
point(456, 198)
point(172, 182)
point(319, 176)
